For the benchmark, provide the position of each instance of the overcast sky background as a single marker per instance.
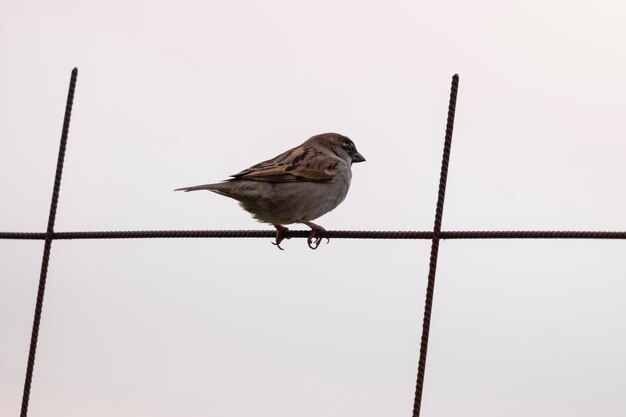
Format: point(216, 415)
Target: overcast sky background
point(173, 95)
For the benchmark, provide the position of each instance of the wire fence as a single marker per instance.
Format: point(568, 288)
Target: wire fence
point(435, 236)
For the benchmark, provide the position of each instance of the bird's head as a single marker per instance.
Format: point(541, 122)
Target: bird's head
point(340, 145)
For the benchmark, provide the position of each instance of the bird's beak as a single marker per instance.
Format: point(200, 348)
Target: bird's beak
point(357, 157)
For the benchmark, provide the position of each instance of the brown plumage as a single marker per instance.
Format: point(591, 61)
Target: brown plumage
point(296, 186)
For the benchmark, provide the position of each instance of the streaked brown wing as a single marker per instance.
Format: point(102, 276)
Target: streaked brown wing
point(297, 164)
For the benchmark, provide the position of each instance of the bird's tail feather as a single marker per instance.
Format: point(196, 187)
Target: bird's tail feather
point(220, 186)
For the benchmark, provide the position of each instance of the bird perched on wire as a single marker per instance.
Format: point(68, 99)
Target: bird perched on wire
point(297, 186)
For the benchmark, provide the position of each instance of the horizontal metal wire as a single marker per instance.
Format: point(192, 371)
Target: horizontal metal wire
point(335, 234)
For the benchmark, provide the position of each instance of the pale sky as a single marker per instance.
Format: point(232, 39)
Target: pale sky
point(173, 95)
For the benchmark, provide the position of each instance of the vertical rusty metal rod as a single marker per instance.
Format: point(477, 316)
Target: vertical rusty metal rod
point(434, 250)
point(47, 245)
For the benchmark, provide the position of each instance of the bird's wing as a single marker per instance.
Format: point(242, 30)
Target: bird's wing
point(297, 164)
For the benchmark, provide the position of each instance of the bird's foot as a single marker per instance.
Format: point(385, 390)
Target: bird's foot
point(280, 235)
point(314, 241)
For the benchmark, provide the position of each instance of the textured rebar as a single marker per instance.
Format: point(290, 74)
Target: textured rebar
point(536, 234)
point(434, 250)
point(334, 234)
point(48, 245)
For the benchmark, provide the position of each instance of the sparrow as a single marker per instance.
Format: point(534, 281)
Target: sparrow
point(297, 186)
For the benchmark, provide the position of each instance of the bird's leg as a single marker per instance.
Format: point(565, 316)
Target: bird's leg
point(314, 241)
point(280, 235)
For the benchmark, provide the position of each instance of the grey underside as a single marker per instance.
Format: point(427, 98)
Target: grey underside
point(282, 202)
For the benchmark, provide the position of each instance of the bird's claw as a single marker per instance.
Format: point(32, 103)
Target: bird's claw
point(280, 235)
point(313, 241)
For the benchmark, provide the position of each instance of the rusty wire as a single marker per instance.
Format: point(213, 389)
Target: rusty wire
point(48, 245)
point(434, 249)
point(435, 236)
point(334, 234)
